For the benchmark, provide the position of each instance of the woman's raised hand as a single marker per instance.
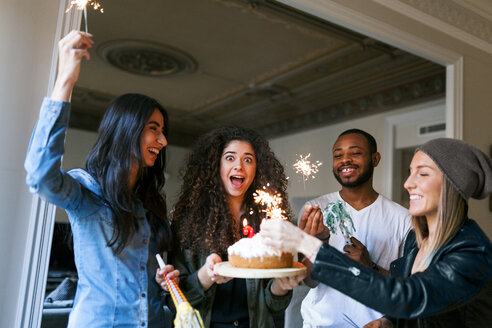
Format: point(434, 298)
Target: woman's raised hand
point(285, 236)
point(169, 272)
point(71, 49)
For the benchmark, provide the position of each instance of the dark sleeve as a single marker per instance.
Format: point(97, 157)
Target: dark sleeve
point(452, 279)
point(399, 267)
point(276, 303)
point(167, 300)
point(188, 278)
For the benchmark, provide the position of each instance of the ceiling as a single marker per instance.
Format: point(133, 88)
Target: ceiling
point(256, 64)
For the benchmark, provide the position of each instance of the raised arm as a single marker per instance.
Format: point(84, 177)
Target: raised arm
point(71, 49)
point(43, 160)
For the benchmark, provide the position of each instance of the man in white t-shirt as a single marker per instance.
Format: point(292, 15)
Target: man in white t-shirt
point(381, 227)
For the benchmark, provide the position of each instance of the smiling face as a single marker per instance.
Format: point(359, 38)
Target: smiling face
point(237, 168)
point(424, 186)
point(153, 139)
point(353, 163)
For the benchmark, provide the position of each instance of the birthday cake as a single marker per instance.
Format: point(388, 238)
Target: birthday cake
point(253, 253)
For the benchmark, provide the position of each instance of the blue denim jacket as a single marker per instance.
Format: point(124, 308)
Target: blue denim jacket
point(113, 290)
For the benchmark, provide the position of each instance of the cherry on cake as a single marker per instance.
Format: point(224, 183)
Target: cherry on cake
point(253, 253)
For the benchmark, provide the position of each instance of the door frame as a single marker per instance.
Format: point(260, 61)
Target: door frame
point(33, 280)
point(42, 218)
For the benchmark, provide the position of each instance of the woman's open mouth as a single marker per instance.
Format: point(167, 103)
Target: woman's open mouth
point(237, 181)
point(154, 152)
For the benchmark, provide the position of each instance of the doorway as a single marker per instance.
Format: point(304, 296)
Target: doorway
point(455, 84)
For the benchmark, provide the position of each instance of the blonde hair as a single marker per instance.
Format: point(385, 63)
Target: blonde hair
point(451, 214)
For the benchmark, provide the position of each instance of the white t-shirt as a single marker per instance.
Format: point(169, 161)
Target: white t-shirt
point(382, 227)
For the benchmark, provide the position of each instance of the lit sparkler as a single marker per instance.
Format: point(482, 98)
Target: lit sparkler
point(304, 166)
point(82, 5)
point(271, 202)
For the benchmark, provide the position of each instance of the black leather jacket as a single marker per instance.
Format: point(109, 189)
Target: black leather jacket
point(454, 291)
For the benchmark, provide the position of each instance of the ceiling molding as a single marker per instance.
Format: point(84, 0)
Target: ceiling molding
point(480, 7)
point(411, 93)
point(358, 105)
point(339, 83)
point(252, 9)
point(447, 17)
point(361, 23)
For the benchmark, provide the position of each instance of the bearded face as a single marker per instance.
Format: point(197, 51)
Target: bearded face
point(347, 180)
point(353, 162)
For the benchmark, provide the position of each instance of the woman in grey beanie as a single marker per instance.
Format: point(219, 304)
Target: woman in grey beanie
point(444, 278)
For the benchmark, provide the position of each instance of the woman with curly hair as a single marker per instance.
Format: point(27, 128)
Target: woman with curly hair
point(222, 173)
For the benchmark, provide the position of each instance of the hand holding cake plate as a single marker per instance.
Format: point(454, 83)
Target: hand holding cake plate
point(226, 270)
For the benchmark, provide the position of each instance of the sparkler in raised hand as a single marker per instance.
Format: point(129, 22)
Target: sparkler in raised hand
point(304, 166)
point(82, 5)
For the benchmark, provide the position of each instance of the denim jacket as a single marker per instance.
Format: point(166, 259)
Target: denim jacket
point(112, 290)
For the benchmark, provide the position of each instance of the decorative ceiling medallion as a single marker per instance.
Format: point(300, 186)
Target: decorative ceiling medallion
point(147, 58)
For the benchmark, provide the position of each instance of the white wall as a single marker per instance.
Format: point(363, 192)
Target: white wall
point(406, 133)
point(27, 38)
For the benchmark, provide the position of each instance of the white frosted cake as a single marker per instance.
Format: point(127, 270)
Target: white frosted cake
point(253, 253)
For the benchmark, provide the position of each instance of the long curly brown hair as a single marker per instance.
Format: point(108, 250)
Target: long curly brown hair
point(201, 219)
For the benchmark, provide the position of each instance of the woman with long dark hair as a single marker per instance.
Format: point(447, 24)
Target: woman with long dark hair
point(223, 171)
point(116, 207)
point(444, 278)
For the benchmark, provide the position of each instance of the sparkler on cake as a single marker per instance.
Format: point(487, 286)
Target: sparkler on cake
point(271, 202)
point(252, 252)
point(335, 217)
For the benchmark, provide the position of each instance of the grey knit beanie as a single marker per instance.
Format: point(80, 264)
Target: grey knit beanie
point(467, 168)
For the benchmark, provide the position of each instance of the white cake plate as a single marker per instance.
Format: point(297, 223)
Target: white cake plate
point(226, 270)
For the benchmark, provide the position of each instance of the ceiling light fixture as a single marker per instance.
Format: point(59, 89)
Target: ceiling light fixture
point(147, 58)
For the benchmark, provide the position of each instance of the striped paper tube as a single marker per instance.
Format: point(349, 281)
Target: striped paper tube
point(186, 316)
point(176, 293)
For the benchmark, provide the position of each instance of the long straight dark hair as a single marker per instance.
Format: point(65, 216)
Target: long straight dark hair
point(110, 162)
